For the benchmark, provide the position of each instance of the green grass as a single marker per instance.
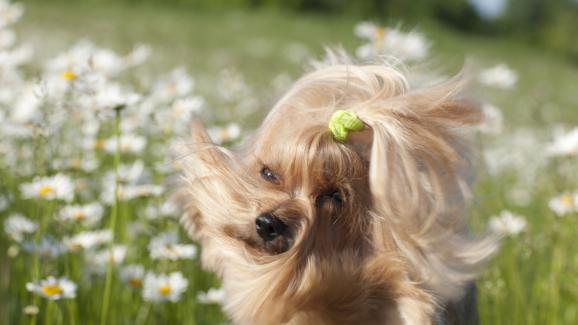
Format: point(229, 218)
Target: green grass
point(533, 280)
point(209, 42)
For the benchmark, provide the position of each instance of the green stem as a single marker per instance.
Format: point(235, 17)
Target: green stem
point(113, 217)
point(143, 313)
point(45, 212)
point(49, 312)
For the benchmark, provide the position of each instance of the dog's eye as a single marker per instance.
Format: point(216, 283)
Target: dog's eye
point(269, 176)
point(334, 196)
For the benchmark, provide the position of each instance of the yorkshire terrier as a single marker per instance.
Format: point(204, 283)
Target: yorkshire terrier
point(346, 206)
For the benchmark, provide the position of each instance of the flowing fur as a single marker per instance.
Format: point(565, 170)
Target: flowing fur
point(396, 248)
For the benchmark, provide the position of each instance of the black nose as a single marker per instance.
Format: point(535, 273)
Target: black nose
point(269, 226)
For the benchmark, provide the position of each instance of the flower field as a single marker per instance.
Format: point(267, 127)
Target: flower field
point(90, 116)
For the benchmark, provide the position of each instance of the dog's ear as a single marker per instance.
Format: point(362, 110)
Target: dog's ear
point(417, 152)
point(202, 148)
point(199, 133)
point(200, 139)
point(200, 159)
point(419, 175)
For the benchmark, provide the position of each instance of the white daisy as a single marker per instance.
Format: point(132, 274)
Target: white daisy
point(411, 46)
point(177, 84)
point(138, 55)
point(133, 275)
point(16, 57)
point(184, 108)
point(17, 226)
point(128, 143)
point(406, 46)
point(48, 247)
point(132, 185)
point(563, 204)
point(88, 214)
point(106, 61)
point(163, 287)
point(128, 192)
point(165, 246)
point(10, 13)
point(26, 107)
point(98, 261)
point(67, 64)
point(228, 133)
point(129, 174)
point(564, 144)
point(166, 209)
point(7, 38)
point(368, 31)
point(500, 76)
point(53, 289)
point(507, 223)
point(232, 87)
point(212, 296)
point(492, 122)
point(177, 118)
point(57, 187)
point(87, 239)
point(84, 55)
point(110, 96)
point(31, 310)
point(92, 142)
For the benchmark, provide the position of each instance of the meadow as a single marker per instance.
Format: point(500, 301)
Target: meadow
point(93, 98)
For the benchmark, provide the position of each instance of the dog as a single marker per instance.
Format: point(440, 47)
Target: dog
point(346, 206)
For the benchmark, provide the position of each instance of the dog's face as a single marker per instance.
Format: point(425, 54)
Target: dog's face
point(302, 191)
point(303, 228)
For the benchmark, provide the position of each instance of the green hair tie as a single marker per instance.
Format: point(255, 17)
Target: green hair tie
point(342, 122)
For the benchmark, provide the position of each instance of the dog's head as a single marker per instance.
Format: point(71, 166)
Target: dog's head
point(303, 227)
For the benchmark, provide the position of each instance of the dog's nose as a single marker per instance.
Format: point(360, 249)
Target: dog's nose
point(269, 226)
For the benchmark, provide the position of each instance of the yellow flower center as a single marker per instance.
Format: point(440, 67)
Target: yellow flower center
point(52, 290)
point(379, 35)
point(170, 248)
point(380, 32)
point(111, 259)
point(172, 89)
point(77, 216)
point(75, 247)
point(136, 283)
point(75, 163)
point(98, 144)
point(69, 75)
point(567, 200)
point(165, 290)
point(224, 135)
point(45, 190)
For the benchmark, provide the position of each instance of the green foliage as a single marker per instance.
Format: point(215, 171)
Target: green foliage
point(550, 24)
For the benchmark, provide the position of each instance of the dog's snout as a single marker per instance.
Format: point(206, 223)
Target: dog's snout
point(269, 226)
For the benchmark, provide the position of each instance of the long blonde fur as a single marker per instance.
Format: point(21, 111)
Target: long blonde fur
point(398, 247)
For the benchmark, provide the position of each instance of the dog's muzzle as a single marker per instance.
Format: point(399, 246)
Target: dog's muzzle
point(269, 226)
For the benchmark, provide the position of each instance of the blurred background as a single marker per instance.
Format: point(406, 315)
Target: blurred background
point(268, 40)
point(61, 62)
point(546, 24)
point(265, 39)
